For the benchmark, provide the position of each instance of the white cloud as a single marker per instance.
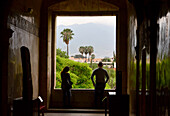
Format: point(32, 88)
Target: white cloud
point(106, 20)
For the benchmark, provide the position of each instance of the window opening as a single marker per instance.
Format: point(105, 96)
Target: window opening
point(93, 40)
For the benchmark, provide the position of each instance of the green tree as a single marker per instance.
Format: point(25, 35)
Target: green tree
point(61, 53)
point(92, 57)
point(78, 56)
point(114, 57)
point(82, 50)
point(106, 59)
point(67, 35)
point(90, 50)
point(86, 50)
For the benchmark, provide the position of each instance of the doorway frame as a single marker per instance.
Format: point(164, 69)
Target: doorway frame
point(53, 48)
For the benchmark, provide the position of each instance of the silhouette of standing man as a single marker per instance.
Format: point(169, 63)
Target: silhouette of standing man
point(100, 84)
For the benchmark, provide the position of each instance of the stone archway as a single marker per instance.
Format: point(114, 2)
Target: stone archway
point(81, 8)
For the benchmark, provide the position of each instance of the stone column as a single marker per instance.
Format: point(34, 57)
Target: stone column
point(154, 9)
point(44, 82)
point(137, 73)
point(53, 53)
point(153, 56)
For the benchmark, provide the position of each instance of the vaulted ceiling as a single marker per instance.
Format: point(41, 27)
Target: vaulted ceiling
point(83, 5)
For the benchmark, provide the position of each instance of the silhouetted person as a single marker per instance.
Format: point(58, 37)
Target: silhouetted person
point(66, 86)
point(100, 84)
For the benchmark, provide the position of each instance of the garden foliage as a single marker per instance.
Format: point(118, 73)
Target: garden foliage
point(80, 74)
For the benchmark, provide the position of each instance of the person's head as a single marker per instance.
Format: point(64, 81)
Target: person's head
point(66, 69)
point(100, 64)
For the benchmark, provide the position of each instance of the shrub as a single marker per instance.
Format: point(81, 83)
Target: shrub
point(80, 73)
point(61, 53)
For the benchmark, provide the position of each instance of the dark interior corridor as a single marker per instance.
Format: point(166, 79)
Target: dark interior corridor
point(142, 59)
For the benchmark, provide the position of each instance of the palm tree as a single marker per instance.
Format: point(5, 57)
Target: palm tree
point(92, 57)
point(86, 50)
point(67, 34)
point(90, 50)
point(81, 50)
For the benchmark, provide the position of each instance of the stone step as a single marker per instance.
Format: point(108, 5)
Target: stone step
point(72, 110)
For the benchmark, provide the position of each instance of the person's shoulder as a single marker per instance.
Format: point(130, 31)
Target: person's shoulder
point(104, 69)
point(95, 69)
point(61, 73)
point(68, 74)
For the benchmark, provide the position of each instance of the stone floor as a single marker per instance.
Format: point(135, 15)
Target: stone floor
point(75, 114)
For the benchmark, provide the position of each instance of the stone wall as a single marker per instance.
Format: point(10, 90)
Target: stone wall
point(24, 21)
point(131, 60)
point(80, 98)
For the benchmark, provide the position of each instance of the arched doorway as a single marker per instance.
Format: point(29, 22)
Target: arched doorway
point(84, 8)
point(80, 98)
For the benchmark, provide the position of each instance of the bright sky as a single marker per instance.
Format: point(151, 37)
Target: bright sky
point(107, 20)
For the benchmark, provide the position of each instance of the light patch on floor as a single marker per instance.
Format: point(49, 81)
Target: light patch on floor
point(74, 114)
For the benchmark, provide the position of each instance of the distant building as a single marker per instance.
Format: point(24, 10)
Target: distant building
point(86, 59)
point(96, 60)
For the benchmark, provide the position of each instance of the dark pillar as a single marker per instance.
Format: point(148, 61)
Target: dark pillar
point(143, 82)
point(43, 52)
point(154, 10)
point(5, 34)
point(4, 72)
point(53, 53)
point(137, 74)
point(118, 82)
point(153, 55)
